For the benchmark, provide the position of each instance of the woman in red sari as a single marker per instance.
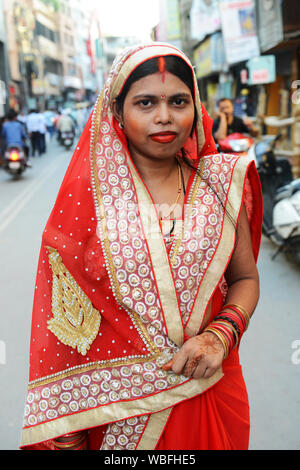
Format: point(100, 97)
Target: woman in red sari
point(147, 275)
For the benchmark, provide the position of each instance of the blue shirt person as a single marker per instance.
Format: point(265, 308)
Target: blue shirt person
point(13, 131)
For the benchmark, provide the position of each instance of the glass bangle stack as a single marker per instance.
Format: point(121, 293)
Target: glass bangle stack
point(229, 326)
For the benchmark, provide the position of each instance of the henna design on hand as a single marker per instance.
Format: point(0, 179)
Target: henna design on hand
point(209, 343)
point(198, 348)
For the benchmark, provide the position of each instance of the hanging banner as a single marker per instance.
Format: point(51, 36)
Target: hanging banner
point(173, 19)
point(270, 25)
point(205, 18)
point(239, 30)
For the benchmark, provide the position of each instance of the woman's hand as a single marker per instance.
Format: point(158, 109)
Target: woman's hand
point(199, 357)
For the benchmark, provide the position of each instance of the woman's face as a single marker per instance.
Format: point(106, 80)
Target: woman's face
point(158, 116)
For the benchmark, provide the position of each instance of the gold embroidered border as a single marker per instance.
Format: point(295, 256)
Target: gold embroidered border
point(99, 206)
point(223, 251)
point(153, 430)
point(160, 261)
point(153, 355)
point(117, 411)
point(158, 253)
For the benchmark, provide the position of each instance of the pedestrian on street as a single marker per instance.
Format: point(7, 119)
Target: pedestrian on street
point(147, 275)
point(43, 131)
point(50, 117)
point(34, 124)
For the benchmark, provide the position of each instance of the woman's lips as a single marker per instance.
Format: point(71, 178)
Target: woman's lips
point(164, 137)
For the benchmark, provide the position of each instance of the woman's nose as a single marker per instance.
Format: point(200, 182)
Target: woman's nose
point(163, 113)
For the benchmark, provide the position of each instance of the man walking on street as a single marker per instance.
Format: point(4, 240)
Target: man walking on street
point(34, 123)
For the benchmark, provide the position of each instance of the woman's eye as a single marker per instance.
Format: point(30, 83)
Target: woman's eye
point(146, 103)
point(179, 101)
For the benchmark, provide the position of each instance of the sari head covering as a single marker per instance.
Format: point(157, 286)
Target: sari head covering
point(112, 304)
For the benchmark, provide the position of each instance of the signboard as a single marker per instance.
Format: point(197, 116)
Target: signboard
point(38, 86)
point(202, 59)
point(218, 56)
point(205, 18)
point(173, 19)
point(239, 30)
point(209, 56)
point(262, 70)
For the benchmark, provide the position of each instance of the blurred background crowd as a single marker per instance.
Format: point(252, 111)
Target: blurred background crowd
point(55, 56)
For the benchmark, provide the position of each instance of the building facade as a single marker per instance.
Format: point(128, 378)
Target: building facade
point(4, 66)
point(248, 51)
point(53, 53)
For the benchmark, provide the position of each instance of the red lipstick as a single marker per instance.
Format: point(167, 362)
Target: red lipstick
point(163, 137)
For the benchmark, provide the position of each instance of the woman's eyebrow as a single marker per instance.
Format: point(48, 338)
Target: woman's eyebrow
point(149, 96)
point(181, 95)
point(144, 95)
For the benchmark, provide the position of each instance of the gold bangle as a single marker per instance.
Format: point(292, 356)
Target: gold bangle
point(242, 311)
point(221, 338)
point(231, 327)
point(73, 434)
point(239, 307)
point(68, 444)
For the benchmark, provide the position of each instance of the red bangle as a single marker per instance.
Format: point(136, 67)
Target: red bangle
point(234, 317)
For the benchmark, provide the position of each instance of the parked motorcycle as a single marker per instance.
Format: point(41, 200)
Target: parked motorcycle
point(281, 193)
point(281, 198)
point(67, 139)
point(15, 162)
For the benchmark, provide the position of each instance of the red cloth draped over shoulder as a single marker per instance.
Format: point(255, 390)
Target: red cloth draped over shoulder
point(221, 414)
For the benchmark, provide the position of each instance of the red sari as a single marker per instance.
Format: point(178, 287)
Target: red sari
point(112, 304)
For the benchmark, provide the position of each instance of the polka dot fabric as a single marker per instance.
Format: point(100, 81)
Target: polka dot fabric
point(96, 229)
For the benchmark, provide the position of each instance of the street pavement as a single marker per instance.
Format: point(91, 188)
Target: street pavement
point(269, 350)
point(270, 355)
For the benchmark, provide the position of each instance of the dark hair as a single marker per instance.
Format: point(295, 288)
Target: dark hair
point(11, 115)
point(224, 99)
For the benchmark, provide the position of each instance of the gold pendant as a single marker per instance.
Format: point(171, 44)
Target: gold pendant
point(75, 321)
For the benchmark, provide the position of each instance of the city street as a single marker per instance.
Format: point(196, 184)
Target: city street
point(269, 359)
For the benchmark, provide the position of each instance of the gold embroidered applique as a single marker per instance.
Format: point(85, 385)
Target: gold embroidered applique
point(75, 321)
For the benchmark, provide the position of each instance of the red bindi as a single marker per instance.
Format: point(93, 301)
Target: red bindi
point(162, 68)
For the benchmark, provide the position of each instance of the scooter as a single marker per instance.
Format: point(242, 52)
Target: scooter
point(15, 162)
point(281, 198)
point(67, 139)
point(235, 144)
